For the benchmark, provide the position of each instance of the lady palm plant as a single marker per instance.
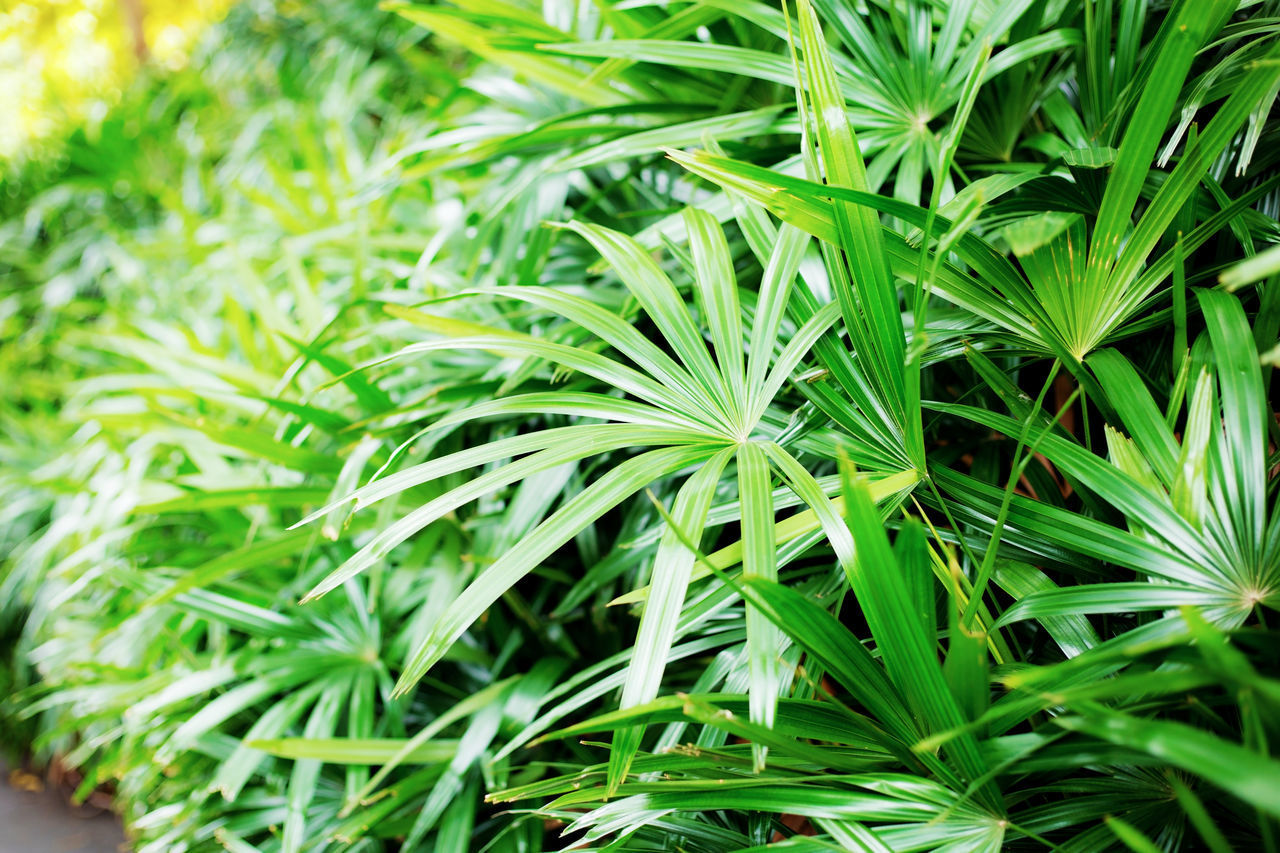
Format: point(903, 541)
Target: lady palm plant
point(701, 411)
point(847, 366)
point(1045, 317)
point(160, 593)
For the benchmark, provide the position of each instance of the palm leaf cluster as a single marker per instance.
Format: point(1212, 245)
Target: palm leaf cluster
point(708, 426)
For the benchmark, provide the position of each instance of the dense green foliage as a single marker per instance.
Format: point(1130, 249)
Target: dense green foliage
point(702, 426)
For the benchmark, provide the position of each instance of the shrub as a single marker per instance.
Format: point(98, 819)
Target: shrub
point(899, 374)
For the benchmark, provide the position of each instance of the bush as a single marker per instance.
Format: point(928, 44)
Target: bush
point(900, 375)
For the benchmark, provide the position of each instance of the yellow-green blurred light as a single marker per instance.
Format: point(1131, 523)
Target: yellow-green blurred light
point(66, 61)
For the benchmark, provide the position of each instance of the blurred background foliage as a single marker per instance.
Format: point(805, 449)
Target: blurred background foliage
point(241, 183)
point(67, 62)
